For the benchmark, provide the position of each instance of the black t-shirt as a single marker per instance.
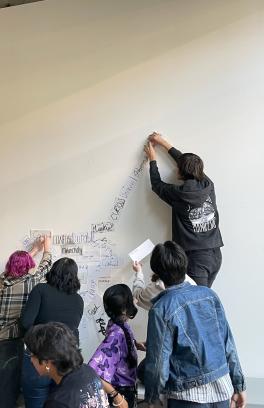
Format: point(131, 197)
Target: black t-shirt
point(81, 388)
point(195, 219)
point(47, 304)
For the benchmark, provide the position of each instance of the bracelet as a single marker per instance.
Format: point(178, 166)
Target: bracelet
point(117, 405)
point(113, 393)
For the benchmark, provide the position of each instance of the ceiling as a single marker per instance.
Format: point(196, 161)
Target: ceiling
point(9, 3)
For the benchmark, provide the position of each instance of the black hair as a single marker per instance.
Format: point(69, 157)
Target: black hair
point(190, 166)
point(169, 262)
point(63, 275)
point(119, 305)
point(55, 342)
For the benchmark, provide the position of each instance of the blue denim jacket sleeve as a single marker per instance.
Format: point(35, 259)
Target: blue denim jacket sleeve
point(235, 370)
point(159, 350)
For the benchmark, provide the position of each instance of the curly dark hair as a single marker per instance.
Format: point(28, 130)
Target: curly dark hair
point(63, 275)
point(169, 262)
point(119, 305)
point(55, 342)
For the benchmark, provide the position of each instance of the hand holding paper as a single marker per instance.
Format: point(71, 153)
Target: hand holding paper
point(137, 266)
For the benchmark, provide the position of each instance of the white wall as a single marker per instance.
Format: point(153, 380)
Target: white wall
point(83, 84)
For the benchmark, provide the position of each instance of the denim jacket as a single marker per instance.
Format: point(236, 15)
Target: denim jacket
point(189, 342)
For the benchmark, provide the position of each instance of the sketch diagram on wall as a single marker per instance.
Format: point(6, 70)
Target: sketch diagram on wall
point(97, 258)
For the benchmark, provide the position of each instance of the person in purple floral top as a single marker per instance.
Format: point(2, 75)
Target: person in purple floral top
point(115, 360)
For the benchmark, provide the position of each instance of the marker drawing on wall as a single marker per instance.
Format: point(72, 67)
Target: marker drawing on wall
point(125, 191)
point(96, 257)
point(36, 233)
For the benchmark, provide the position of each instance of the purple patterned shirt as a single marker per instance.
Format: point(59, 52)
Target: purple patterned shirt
point(109, 360)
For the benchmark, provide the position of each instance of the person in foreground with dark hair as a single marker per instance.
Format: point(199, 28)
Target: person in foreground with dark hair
point(57, 300)
point(195, 220)
point(191, 354)
point(115, 360)
point(54, 353)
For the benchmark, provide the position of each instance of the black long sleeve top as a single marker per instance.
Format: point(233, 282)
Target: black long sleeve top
point(195, 219)
point(47, 304)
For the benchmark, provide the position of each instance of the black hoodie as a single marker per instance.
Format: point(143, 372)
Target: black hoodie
point(195, 220)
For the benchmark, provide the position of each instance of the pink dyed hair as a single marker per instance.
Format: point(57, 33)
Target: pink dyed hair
point(19, 263)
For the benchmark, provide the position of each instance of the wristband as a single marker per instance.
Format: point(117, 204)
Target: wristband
point(113, 393)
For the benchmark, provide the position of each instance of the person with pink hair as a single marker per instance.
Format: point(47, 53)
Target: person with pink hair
point(18, 264)
point(16, 282)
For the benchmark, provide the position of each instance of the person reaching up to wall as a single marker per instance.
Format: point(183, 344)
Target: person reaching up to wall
point(142, 293)
point(18, 279)
point(195, 219)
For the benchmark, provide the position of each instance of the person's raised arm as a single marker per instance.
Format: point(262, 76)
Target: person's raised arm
point(37, 247)
point(143, 293)
point(164, 190)
point(158, 139)
point(46, 261)
point(149, 149)
point(139, 281)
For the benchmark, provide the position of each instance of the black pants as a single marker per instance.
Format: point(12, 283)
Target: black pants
point(141, 371)
point(203, 265)
point(130, 394)
point(11, 354)
point(189, 404)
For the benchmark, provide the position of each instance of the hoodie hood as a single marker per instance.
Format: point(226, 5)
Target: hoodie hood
point(195, 192)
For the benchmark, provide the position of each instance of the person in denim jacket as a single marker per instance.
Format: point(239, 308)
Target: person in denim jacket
point(191, 354)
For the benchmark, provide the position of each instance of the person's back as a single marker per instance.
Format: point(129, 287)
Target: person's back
point(195, 219)
point(191, 354)
point(57, 300)
point(47, 303)
point(195, 315)
point(110, 358)
point(80, 388)
point(16, 282)
point(115, 359)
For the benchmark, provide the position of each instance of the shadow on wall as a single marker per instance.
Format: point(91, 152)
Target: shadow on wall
point(51, 52)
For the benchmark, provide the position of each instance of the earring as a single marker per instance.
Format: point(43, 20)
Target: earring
point(47, 368)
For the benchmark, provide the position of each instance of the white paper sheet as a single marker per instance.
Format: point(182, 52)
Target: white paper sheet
point(142, 251)
point(36, 233)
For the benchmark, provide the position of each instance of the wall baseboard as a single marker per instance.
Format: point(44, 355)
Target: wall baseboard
point(255, 406)
point(255, 395)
